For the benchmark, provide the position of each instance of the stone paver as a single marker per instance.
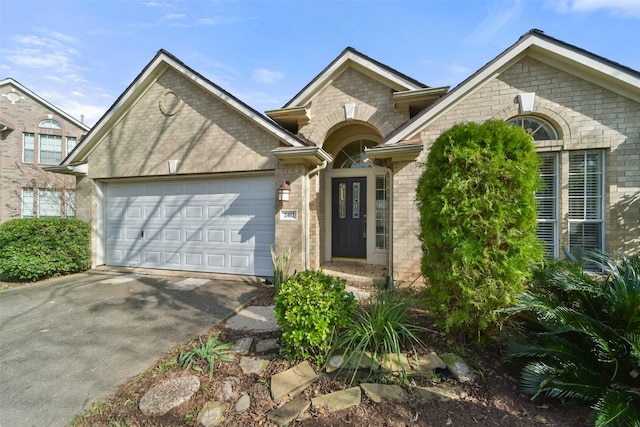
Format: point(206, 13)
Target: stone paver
point(380, 392)
point(442, 392)
point(395, 363)
point(266, 345)
point(253, 365)
point(292, 381)
point(164, 396)
point(290, 410)
point(338, 400)
point(428, 362)
point(243, 403)
point(243, 345)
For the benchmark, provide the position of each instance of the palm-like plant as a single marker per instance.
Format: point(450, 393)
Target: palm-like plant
point(580, 336)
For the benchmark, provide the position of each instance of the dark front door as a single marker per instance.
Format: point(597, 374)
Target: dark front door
point(349, 217)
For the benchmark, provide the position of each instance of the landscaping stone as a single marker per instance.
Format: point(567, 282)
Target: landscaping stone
point(379, 392)
point(338, 400)
point(392, 363)
point(243, 403)
point(266, 345)
point(243, 345)
point(289, 411)
point(164, 396)
point(212, 414)
point(443, 392)
point(358, 294)
point(428, 362)
point(292, 381)
point(458, 368)
point(253, 365)
point(367, 362)
point(227, 392)
point(255, 318)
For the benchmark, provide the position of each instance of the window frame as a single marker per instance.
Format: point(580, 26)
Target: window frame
point(58, 145)
point(24, 147)
point(555, 203)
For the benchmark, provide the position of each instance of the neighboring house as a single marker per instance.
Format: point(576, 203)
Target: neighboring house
point(34, 133)
point(180, 174)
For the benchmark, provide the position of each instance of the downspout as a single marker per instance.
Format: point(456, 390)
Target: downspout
point(307, 213)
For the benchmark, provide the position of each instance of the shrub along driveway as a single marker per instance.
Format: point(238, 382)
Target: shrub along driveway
point(66, 342)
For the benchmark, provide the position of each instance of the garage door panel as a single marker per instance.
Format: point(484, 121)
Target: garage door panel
point(222, 226)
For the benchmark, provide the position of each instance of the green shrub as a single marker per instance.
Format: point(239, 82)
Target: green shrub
point(38, 248)
point(310, 306)
point(478, 223)
point(382, 326)
point(580, 337)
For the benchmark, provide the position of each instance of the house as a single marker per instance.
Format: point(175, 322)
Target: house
point(180, 174)
point(34, 134)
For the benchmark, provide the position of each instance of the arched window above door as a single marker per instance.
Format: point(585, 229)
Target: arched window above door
point(353, 155)
point(539, 129)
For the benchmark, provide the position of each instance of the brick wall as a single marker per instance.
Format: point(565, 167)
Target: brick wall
point(24, 116)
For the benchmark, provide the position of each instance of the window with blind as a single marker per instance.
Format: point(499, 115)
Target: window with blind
point(27, 203)
point(28, 147)
point(50, 149)
point(586, 201)
point(547, 198)
point(49, 203)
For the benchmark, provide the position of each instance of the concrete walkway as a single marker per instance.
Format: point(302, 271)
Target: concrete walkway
point(66, 342)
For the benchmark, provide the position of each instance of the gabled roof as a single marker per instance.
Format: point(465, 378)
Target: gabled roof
point(535, 44)
point(47, 104)
point(352, 58)
point(158, 65)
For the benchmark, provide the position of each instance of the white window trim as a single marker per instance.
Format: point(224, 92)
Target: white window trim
point(556, 204)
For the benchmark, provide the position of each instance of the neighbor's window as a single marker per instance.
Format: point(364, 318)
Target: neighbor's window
point(49, 203)
point(70, 203)
point(27, 203)
point(381, 212)
point(50, 124)
point(586, 201)
point(28, 147)
point(71, 144)
point(50, 149)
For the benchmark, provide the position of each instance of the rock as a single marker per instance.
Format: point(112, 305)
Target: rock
point(266, 345)
point(378, 392)
point(292, 381)
point(338, 400)
point(212, 414)
point(227, 392)
point(163, 397)
point(395, 363)
point(428, 362)
point(243, 345)
point(289, 411)
point(367, 362)
point(243, 403)
point(442, 392)
point(358, 294)
point(253, 365)
point(458, 368)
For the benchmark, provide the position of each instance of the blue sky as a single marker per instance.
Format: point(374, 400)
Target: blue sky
point(81, 55)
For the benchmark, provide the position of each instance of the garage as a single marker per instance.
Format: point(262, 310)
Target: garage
point(223, 225)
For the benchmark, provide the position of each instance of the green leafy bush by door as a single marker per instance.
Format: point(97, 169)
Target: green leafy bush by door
point(38, 248)
point(478, 223)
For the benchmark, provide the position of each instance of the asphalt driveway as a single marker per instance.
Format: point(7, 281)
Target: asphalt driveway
point(66, 342)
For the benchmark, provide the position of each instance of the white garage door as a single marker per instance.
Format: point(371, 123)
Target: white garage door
point(215, 225)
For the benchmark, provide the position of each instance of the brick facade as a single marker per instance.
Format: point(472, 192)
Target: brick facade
point(21, 115)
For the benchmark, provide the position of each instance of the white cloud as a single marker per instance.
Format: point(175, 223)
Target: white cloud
point(498, 15)
point(621, 7)
point(263, 75)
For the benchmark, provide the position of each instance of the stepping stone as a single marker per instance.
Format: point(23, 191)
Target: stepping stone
point(255, 318)
point(458, 367)
point(425, 364)
point(164, 396)
point(243, 345)
point(338, 400)
point(122, 279)
point(359, 294)
point(253, 365)
point(266, 345)
point(292, 381)
point(442, 392)
point(188, 284)
point(379, 392)
point(243, 403)
point(393, 363)
point(289, 411)
point(367, 362)
point(212, 414)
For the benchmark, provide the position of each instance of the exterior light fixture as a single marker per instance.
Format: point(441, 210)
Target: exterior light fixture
point(173, 166)
point(284, 190)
